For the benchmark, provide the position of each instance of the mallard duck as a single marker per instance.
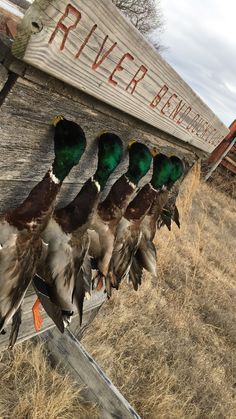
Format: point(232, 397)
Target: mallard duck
point(20, 229)
point(170, 211)
point(129, 231)
point(68, 242)
point(111, 210)
point(145, 257)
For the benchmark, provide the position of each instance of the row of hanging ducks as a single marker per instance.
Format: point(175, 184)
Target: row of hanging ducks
point(60, 248)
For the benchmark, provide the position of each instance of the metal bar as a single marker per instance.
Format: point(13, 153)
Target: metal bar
point(228, 166)
point(230, 161)
point(219, 150)
point(220, 159)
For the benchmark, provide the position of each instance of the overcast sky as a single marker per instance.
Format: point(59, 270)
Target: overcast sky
point(201, 40)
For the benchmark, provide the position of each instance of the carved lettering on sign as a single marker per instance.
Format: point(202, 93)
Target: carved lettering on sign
point(119, 67)
point(184, 115)
point(104, 52)
point(86, 41)
point(61, 27)
point(168, 103)
point(159, 96)
point(137, 78)
point(98, 61)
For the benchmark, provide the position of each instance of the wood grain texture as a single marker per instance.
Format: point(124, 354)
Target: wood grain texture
point(67, 349)
point(27, 329)
point(27, 136)
point(27, 149)
point(3, 76)
point(102, 54)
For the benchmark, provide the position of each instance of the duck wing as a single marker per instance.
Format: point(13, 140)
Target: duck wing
point(136, 272)
point(126, 245)
point(170, 211)
point(83, 273)
point(21, 247)
point(144, 258)
point(19, 256)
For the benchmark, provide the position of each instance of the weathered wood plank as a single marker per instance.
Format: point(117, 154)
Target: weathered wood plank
point(27, 329)
point(103, 55)
point(67, 349)
point(26, 136)
point(3, 76)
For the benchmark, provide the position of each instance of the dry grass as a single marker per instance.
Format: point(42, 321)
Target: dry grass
point(30, 388)
point(171, 347)
point(224, 181)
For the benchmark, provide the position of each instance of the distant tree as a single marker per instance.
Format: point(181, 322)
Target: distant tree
point(145, 15)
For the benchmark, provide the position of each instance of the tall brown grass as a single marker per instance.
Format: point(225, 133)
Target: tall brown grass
point(30, 388)
point(170, 347)
point(224, 180)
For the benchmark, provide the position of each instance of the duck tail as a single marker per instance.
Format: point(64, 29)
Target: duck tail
point(15, 327)
point(135, 273)
point(83, 285)
point(176, 217)
point(2, 324)
point(165, 219)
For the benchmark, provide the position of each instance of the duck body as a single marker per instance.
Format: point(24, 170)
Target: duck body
point(21, 247)
point(129, 235)
point(170, 211)
point(137, 228)
point(67, 245)
point(20, 231)
point(146, 255)
point(106, 220)
point(67, 269)
point(134, 231)
point(111, 210)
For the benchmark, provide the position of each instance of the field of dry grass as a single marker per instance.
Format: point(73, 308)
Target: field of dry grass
point(170, 347)
point(30, 388)
point(224, 181)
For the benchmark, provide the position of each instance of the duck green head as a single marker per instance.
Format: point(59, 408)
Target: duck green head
point(140, 159)
point(177, 170)
point(110, 151)
point(162, 168)
point(69, 145)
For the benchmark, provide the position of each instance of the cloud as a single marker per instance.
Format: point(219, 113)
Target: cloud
point(201, 47)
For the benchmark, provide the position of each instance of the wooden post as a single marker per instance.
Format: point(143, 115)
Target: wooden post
point(67, 349)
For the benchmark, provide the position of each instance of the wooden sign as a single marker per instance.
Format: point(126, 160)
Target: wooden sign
point(91, 46)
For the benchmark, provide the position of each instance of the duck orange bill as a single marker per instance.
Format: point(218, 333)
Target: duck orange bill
point(43, 292)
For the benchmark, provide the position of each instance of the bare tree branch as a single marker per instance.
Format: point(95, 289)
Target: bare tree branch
point(145, 15)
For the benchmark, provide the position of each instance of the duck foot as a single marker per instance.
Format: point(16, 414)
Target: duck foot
point(67, 317)
point(97, 281)
point(43, 292)
point(15, 326)
point(38, 320)
point(108, 285)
